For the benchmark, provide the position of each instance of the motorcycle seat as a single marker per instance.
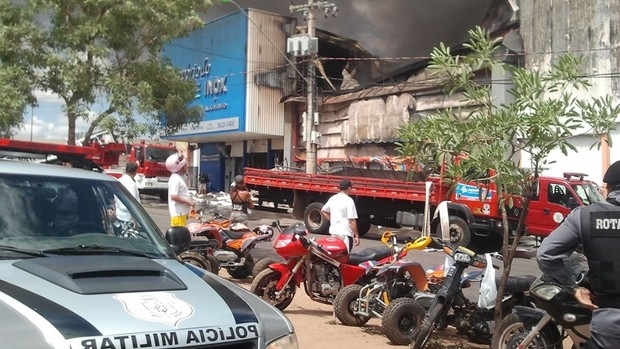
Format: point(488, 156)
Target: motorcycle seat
point(368, 254)
point(233, 234)
point(202, 242)
point(517, 284)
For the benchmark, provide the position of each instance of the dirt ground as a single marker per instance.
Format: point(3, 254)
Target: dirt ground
point(317, 327)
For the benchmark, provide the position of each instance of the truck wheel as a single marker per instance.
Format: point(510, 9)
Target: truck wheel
point(363, 225)
point(459, 231)
point(314, 220)
point(163, 196)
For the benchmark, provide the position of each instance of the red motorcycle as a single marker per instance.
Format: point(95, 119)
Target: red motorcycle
point(324, 266)
point(214, 247)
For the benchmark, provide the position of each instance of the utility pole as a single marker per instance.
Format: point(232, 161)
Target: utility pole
point(309, 45)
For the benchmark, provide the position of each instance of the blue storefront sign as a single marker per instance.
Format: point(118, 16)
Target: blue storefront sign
point(214, 57)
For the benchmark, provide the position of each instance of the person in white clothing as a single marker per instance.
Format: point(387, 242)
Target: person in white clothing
point(342, 215)
point(179, 200)
point(128, 181)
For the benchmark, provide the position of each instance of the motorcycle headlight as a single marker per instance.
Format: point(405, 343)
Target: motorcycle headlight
point(462, 257)
point(287, 342)
point(546, 291)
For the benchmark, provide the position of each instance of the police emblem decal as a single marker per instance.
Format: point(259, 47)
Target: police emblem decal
point(158, 306)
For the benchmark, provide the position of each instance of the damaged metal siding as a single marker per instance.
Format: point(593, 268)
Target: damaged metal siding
point(367, 128)
point(590, 28)
point(265, 113)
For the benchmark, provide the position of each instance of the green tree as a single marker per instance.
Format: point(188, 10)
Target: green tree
point(15, 76)
point(86, 51)
point(546, 111)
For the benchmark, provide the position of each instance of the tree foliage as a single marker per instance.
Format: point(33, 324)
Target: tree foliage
point(15, 77)
point(85, 51)
point(549, 107)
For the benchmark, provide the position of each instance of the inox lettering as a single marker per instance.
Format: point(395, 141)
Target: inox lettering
point(215, 86)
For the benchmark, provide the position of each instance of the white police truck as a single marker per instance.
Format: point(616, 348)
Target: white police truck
point(73, 276)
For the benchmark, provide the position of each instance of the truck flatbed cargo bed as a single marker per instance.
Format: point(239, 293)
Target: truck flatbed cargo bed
point(395, 189)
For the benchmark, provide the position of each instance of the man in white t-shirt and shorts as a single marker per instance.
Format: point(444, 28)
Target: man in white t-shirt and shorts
point(342, 215)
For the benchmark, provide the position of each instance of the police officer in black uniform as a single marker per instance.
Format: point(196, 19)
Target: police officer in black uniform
point(597, 228)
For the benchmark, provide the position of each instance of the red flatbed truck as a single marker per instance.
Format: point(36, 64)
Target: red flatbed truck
point(391, 202)
point(395, 201)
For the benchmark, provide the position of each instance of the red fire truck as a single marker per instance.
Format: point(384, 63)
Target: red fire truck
point(152, 177)
point(390, 199)
point(92, 157)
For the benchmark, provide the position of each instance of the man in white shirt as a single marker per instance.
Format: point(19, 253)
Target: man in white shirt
point(341, 212)
point(179, 199)
point(128, 180)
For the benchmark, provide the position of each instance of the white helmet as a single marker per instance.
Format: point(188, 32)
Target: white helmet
point(175, 162)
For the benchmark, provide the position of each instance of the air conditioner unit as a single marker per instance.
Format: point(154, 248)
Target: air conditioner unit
point(302, 45)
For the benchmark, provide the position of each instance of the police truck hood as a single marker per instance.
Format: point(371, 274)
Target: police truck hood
point(111, 302)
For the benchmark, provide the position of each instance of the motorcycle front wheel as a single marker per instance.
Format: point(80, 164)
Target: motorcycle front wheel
point(345, 306)
point(511, 331)
point(264, 286)
point(400, 319)
point(420, 337)
point(243, 271)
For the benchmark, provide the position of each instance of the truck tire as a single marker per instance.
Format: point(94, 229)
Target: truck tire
point(460, 235)
point(163, 196)
point(363, 225)
point(314, 220)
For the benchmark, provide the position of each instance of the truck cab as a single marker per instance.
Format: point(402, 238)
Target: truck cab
point(152, 177)
point(554, 198)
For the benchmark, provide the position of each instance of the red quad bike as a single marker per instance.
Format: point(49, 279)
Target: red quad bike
point(324, 266)
point(214, 247)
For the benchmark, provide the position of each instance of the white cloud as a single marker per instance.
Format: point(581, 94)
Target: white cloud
point(39, 129)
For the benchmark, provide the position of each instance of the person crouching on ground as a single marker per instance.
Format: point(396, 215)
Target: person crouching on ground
point(179, 199)
point(241, 199)
point(341, 213)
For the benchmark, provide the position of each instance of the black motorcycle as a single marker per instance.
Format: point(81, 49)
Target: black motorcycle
point(556, 315)
point(466, 316)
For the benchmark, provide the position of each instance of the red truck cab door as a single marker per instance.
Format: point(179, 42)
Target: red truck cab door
point(553, 201)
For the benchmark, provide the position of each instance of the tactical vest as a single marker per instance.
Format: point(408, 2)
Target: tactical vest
point(600, 229)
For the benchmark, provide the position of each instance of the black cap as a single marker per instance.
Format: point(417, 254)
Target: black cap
point(345, 184)
point(612, 175)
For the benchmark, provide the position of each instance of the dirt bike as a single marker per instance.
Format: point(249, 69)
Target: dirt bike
point(214, 247)
point(323, 266)
point(557, 314)
point(466, 316)
point(396, 286)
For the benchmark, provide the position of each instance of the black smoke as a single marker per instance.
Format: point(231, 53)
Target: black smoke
point(386, 28)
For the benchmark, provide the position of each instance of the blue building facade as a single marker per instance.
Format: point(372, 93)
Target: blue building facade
point(243, 122)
